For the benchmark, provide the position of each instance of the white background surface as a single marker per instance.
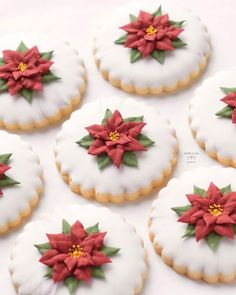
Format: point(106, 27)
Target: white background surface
point(76, 21)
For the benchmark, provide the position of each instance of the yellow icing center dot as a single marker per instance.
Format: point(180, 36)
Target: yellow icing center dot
point(76, 251)
point(114, 136)
point(22, 66)
point(151, 30)
point(215, 210)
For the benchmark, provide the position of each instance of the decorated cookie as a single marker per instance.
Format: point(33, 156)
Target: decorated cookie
point(41, 80)
point(78, 250)
point(20, 181)
point(115, 150)
point(152, 48)
point(193, 224)
point(213, 116)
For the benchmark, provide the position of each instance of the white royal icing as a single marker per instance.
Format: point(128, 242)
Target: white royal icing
point(83, 168)
point(25, 169)
point(55, 95)
point(216, 132)
point(178, 65)
point(123, 275)
point(196, 256)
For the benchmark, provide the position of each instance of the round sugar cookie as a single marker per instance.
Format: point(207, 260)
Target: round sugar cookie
point(192, 224)
point(42, 79)
point(20, 181)
point(152, 47)
point(212, 116)
point(100, 253)
point(116, 150)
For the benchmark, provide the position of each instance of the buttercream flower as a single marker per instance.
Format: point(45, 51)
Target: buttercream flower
point(74, 254)
point(115, 137)
point(148, 33)
point(215, 212)
point(23, 70)
point(151, 34)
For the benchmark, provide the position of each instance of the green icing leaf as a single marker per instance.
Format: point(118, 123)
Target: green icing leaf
point(226, 189)
point(135, 55)
point(3, 85)
point(121, 40)
point(213, 240)
point(178, 43)
point(199, 191)
point(72, 284)
point(22, 47)
point(4, 158)
point(7, 181)
point(158, 12)
point(2, 62)
point(48, 77)
point(86, 141)
point(133, 119)
point(159, 56)
point(180, 210)
point(93, 229)
point(109, 251)
point(227, 112)
point(27, 94)
point(132, 17)
point(190, 231)
point(228, 90)
point(98, 272)
point(46, 55)
point(66, 227)
point(108, 114)
point(144, 140)
point(177, 24)
point(103, 161)
point(49, 272)
point(130, 159)
point(43, 247)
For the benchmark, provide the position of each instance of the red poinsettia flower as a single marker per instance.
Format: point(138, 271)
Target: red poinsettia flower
point(23, 69)
point(3, 169)
point(74, 254)
point(149, 33)
point(230, 100)
point(214, 213)
point(115, 137)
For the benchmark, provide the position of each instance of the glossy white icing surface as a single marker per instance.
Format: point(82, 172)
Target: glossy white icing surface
point(179, 64)
point(55, 95)
point(197, 256)
point(25, 169)
point(123, 275)
point(83, 168)
point(216, 132)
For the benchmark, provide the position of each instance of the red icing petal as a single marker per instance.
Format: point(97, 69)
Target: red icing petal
point(97, 147)
point(60, 272)
point(145, 18)
point(51, 257)
point(202, 230)
point(134, 145)
point(214, 193)
point(59, 242)
point(71, 263)
point(230, 99)
point(83, 274)
point(132, 28)
point(187, 216)
point(234, 116)
point(115, 121)
point(99, 258)
point(77, 233)
point(224, 230)
point(162, 20)
point(132, 41)
point(224, 218)
point(94, 241)
point(95, 129)
point(134, 129)
point(147, 48)
point(116, 155)
point(164, 44)
point(3, 168)
point(209, 219)
point(84, 260)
